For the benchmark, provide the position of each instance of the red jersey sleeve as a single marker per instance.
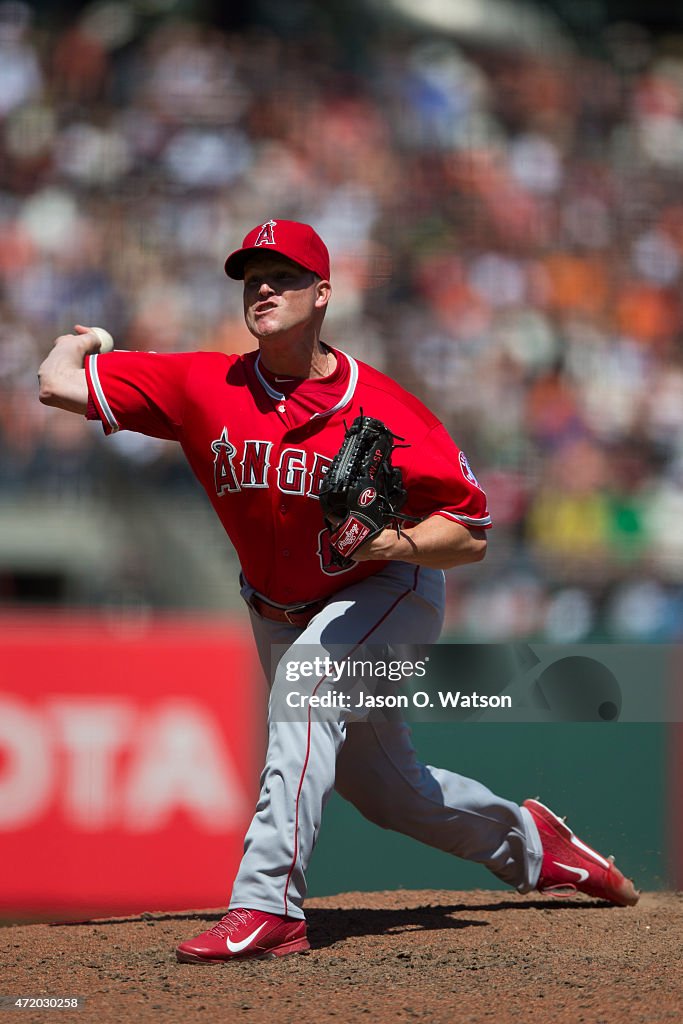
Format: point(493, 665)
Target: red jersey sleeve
point(439, 481)
point(141, 391)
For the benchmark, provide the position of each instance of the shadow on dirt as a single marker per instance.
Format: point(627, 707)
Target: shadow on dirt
point(327, 926)
point(330, 925)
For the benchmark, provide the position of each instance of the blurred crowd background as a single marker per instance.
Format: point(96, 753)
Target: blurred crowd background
point(505, 216)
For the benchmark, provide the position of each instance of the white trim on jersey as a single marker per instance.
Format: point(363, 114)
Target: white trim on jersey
point(465, 520)
point(277, 396)
point(99, 394)
point(348, 394)
point(271, 392)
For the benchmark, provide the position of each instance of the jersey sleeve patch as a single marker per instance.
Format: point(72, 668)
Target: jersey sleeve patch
point(467, 471)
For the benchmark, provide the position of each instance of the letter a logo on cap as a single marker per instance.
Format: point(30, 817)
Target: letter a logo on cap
point(265, 235)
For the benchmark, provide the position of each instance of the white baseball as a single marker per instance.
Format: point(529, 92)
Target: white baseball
point(105, 339)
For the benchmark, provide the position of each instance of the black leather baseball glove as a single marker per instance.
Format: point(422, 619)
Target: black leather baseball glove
point(362, 492)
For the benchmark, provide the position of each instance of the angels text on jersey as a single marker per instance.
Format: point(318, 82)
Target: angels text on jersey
point(296, 471)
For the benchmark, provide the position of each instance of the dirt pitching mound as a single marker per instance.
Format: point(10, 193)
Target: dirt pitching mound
point(433, 956)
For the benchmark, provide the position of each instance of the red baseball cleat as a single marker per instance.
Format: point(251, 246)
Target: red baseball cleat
point(246, 935)
point(570, 865)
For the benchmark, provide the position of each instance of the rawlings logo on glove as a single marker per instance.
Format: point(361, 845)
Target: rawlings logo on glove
point(361, 493)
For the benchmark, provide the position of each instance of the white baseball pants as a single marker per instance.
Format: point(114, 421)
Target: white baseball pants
point(370, 763)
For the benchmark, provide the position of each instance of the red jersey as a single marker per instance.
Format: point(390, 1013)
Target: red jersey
point(260, 446)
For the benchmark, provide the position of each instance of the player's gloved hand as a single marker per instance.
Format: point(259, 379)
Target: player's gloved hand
point(362, 492)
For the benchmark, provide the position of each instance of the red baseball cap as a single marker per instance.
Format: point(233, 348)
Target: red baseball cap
point(298, 242)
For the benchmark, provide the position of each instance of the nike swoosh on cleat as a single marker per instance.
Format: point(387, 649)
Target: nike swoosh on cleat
point(581, 872)
point(237, 947)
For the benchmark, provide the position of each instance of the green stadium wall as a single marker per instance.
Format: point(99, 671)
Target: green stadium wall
point(609, 779)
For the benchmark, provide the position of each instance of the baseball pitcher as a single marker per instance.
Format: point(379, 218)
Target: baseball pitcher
point(345, 499)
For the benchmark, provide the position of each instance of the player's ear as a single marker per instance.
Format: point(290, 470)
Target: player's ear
point(323, 291)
